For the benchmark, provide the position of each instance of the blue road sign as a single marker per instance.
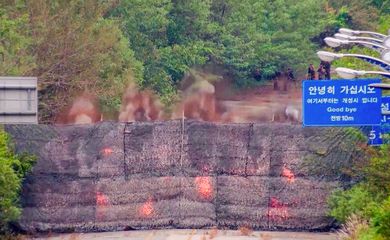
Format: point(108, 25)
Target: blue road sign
point(385, 106)
point(341, 103)
point(379, 134)
point(375, 136)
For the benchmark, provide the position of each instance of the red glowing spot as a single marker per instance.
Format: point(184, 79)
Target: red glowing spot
point(275, 203)
point(101, 206)
point(147, 209)
point(277, 210)
point(287, 173)
point(101, 199)
point(204, 187)
point(167, 180)
point(107, 151)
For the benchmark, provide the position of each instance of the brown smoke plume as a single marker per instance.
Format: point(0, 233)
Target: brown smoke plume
point(199, 103)
point(202, 100)
point(199, 99)
point(84, 110)
point(206, 95)
point(140, 106)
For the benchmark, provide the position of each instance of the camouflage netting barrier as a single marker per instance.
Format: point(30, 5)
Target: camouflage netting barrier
point(117, 176)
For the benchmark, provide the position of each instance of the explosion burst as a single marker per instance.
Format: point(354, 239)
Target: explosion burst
point(277, 210)
point(203, 99)
point(84, 110)
point(204, 187)
point(101, 205)
point(140, 106)
point(147, 209)
point(107, 151)
point(288, 174)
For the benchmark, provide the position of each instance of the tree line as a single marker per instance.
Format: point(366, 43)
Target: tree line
point(103, 45)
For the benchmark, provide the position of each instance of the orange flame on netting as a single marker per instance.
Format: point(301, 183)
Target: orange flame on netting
point(107, 151)
point(147, 209)
point(277, 210)
point(101, 199)
point(288, 174)
point(204, 187)
point(101, 205)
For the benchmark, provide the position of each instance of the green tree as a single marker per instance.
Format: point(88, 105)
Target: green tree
point(269, 36)
point(100, 46)
point(145, 24)
point(77, 50)
point(13, 168)
point(15, 43)
point(165, 46)
point(384, 22)
point(189, 20)
point(370, 199)
point(359, 14)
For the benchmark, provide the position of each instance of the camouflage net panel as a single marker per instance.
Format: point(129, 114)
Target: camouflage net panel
point(174, 174)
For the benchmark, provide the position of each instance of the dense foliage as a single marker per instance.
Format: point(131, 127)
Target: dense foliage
point(73, 49)
point(77, 49)
point(14, 55)
point(100, 46)
point(370, 199)
point(244, 36)
point(13, 168)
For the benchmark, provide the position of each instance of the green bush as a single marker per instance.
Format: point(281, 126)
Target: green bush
point(13, 168)
point(381, 219)
point(359, 201)
point(355, 201)
point(378, 172)
point(368, 200)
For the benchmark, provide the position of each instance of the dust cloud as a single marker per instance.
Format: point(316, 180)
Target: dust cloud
point(140, 106)
point(198, 102)
point(84, 110)
point(205, 95)
point(202, 100)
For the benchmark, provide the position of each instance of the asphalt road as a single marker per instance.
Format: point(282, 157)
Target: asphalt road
point(214, 234)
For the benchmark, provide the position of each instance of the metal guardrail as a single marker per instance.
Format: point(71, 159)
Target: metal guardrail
point(18, 100)
point(18, 113)
point(16, 87)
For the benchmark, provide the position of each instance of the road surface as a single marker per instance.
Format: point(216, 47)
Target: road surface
point(214, 234)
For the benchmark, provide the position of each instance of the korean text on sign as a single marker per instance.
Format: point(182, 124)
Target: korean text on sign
point(341, 103)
